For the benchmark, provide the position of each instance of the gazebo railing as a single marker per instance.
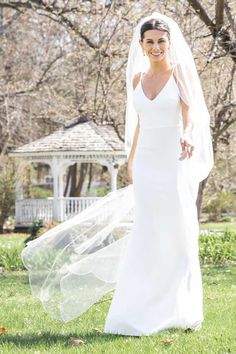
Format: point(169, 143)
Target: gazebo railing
point(73, 206)
point(29, 210)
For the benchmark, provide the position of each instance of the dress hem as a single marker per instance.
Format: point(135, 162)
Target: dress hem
point(194, 327)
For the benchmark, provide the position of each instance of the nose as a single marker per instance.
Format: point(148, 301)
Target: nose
point(156, 46)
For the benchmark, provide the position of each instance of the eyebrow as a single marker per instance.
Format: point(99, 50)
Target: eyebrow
point(152, 38)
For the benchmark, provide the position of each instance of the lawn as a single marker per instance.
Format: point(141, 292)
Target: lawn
point(30, 330)
point(218, 226)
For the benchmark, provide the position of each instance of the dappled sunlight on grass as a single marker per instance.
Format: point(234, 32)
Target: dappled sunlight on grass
point(29, 327)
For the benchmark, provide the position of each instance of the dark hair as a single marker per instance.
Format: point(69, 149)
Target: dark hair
point(154, 24)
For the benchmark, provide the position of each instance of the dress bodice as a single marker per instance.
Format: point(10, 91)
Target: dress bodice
point(163, 111)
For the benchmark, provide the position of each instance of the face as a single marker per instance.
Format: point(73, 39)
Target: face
point(155, 44)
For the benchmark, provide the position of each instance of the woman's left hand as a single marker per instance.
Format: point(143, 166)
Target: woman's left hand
point(187, 147)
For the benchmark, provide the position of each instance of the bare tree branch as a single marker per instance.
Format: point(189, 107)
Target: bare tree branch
point(54, 13)
point(230, 17)
point(221, 35)
point(202, 13)
point(219, 14)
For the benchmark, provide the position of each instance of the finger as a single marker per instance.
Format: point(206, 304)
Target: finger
point(183, 155)
point(190, 151)
point(182, 143)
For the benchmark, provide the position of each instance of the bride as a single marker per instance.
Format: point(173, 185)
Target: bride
point(153, 266)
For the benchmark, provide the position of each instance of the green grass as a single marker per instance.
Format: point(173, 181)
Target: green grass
point(30, 330)
point(12, 238)
point(218, 226)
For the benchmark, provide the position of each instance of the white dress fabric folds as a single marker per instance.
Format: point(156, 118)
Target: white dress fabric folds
point(160, 285)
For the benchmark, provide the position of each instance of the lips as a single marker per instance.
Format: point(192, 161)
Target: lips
point(157, 54)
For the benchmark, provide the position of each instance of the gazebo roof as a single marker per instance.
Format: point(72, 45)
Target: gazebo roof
point(82, 137)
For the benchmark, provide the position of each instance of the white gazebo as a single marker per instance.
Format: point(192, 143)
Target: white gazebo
point(80, 142)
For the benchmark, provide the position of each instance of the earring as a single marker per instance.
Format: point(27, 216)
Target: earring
point(143, 52)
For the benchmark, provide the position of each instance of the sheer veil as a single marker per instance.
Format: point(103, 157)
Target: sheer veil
point(74, 264)
point(190, 91)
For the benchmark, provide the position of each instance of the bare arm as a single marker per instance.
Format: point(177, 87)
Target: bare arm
point(187, 122)
point(186, 139)
point(134, 144)
point(135, 138)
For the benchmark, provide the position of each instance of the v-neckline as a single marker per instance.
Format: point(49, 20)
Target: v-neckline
point(163, 87)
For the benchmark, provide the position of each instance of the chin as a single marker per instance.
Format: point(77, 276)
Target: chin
point(157, 59)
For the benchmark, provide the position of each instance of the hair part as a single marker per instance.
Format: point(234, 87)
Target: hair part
point(154, 24)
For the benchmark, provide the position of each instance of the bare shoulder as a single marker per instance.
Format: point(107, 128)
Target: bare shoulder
point(136, 79)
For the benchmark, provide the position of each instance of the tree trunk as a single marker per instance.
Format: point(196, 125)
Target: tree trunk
point(73, 177)
point(82, 175)
point(68, 177)
point(90, 176)
point(202, 186)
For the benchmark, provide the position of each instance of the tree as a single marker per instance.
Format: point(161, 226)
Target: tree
point(63, 60)
point(7, 189)
point(221, 27)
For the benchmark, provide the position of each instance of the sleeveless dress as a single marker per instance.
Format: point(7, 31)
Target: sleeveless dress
point(160, 283)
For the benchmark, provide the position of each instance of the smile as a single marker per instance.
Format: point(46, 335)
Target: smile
point(157, 54)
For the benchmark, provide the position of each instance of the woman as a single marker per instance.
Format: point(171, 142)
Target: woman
point(160, 284)
point(154, 267)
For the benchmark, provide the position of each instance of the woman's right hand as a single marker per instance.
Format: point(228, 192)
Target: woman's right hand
point(129, 172)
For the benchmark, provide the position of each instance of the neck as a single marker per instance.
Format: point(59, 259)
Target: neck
point(156, 68)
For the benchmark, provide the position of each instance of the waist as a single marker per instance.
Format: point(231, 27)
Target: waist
point(162, 137)
point(160, 126)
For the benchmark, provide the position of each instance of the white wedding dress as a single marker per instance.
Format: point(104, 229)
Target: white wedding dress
point(159, 284)
point(153, 264)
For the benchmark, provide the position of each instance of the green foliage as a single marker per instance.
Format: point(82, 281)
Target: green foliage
point(218, 248)
point(218, 203)
point(214, 248)
point(10, 258)
point(10, 252)
point(41, 193)
point(102, 191)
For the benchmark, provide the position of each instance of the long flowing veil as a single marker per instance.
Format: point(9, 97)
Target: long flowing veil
point(74, 264)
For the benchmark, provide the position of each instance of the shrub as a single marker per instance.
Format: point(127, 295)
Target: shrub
point(214, 248)
point(41, 193)
point(217, 248)
point(37, 225)
point(218, 203)
point(10, 254)
point(102, 191)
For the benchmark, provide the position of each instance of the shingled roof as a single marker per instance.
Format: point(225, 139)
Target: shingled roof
point(81, 137)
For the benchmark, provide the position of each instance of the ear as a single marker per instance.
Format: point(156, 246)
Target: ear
point(141, 43)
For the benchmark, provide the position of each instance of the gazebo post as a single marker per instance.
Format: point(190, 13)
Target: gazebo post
point(55, 174)
point(113, 169)
point(61, 196)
